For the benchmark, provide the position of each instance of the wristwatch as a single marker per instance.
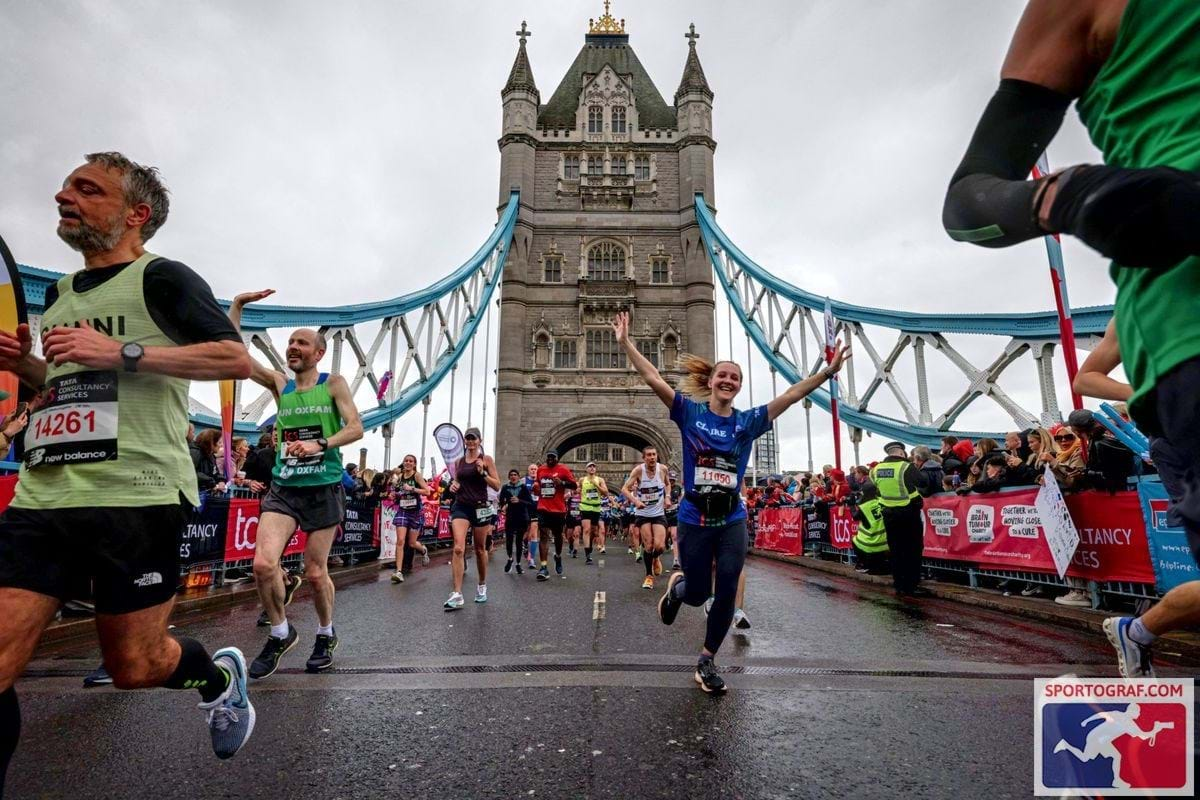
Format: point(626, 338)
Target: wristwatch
point(323, 443)
point(131, 353)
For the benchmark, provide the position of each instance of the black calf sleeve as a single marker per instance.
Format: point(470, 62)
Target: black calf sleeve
point(10, 730)
point(196, 670)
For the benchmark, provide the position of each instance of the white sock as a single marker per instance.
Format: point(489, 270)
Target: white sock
point(324, 630)
point(280, 631)
point(1140, 634)
point(481, 588)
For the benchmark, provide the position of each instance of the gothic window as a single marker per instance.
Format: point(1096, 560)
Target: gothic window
point(599, 452)
point(571, 168)
point(660, 270)
point(606, 262)
point(565, 354)
point(649, 348)
point(619, 166)
point(603, 351)
point(618, 119)
point(595, 119)
point(618, 454)
point(580, 454)
point(641, 168)
point(595, 165)
point(553, 269)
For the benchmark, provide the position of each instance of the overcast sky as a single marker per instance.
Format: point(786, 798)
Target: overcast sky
point(344, 152)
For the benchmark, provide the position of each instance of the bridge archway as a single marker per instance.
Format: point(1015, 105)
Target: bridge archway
point(630, 433)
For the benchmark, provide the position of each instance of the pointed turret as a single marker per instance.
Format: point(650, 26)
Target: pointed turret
point(693, 74)
point(521, 76)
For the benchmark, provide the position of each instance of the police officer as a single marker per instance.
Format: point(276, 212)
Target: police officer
point(896, 479)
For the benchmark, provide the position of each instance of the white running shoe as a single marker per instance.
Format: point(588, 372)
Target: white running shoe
point(1133, 659)
point(708, 605)
point(454, 603)
point(740, 620)
point(425, 556)
point(1076, 597)
point(397, 577)
point(480, 593)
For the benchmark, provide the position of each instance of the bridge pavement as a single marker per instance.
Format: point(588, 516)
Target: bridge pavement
point(547, 691)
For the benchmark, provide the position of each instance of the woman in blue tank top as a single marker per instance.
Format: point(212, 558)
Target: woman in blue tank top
point(717, 440)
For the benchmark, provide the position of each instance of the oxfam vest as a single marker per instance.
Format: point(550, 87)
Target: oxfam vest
point(871, 536)
point(888, 477)
point(106, 437)
point(589, 491)
point(305, 416)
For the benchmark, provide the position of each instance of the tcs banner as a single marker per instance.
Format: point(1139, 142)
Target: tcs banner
point(242, 532)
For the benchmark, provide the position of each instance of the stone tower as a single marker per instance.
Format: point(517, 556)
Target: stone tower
point(607, 172)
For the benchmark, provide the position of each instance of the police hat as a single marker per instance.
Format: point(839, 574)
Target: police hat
point(890, 446)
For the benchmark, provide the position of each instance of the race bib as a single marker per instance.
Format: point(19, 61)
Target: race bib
point(407, 502)
point(651, 494)
point(593, 495)
point(484, 513)
point(78, 424)
point(302, 464)
point(715, 473)
point(548, 489)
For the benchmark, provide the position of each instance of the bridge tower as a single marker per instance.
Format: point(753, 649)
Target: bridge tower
point(607, 172)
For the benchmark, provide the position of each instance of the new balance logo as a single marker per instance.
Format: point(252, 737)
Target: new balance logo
point(149, 579)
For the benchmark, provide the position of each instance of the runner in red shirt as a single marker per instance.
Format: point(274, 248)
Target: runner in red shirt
point(553, 480)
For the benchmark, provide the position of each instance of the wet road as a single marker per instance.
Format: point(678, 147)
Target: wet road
point(572, 688)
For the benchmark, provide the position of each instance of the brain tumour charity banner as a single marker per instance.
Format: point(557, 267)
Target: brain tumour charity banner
point(781, 530)
point(1004, 529)
point(1169, 551)
point(12, 314)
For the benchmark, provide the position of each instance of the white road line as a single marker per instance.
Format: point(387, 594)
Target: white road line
point(598, 606)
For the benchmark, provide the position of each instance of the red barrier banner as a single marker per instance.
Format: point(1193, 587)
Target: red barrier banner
point(1004, 530)
point(443, 524)
point(242, 532)
point(781, 530)
point(8, 487)
point(429, 510)
point(1112, 538)
point(842, 527)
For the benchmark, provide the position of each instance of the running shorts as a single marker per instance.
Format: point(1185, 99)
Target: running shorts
point(550, 522)
point(592, 516)
point(477, 516)
point(130, 556)
point(314, 508)
point(659, 520)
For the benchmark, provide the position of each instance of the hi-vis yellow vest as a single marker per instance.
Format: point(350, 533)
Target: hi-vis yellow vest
point(871, 536)
point(888, 477)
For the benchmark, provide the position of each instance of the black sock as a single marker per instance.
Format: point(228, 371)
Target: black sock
point(10, 730)
point(648, 562)
point(196, 670)
point(587, 551)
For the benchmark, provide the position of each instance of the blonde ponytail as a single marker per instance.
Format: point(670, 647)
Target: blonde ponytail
point(698, 372)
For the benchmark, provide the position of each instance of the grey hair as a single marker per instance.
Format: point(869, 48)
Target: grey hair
point(921, 453)
point(140, 184)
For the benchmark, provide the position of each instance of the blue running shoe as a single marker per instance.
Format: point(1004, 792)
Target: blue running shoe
point(558, 568)
point(1133, 659)
point(230, 716)
point(97, 677)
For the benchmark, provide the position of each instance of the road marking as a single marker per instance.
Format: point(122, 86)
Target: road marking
point(598, 606)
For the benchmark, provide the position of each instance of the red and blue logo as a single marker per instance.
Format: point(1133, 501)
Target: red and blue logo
point(1114, 737)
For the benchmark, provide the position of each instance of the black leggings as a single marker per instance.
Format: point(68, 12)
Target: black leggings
point(513, 537)
point(700, 546)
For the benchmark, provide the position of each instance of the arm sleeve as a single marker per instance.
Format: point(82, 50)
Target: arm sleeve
point(989, 201)
point(182, 304)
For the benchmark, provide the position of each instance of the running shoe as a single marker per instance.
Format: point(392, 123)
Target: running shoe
point(668, 605)
point(508, 565)
point(519, 570)
point(573, 552)
point(291, 582)
point(230, 716)
point(397, 577)
point(273, 650)
point(322, 654)
point(708, 605)
point(658, 567)
point(638, 557)
point(480, 594)
point(588, 560)
point(740, 620)
point(97, 677)
point(648, 583)
point(1076, 597)
point(707, 677)
point(454, 603)
point(263, 619)
point(425, 556)
point(543, 574)
point(558, 566)
point(630, 551)
point(1133, 659)
point(1032, 590)
point(603, 550)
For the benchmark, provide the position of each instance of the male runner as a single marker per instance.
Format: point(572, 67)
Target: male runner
point(515, 500)
point(1133, 66)
point(652, 484)
point(317, 416)
point(553, 481)
point(593, 490)
point(107, 483)
point(574, 522)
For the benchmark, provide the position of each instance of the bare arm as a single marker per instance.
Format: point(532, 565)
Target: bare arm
point(422, 484)
point(269, 379)
point(643, 366)
point(627, 489)
point(352, 429)
point(1092, 379)
point(205, 361)
point(1063, 45)
point(16, 356)
point(798, 391)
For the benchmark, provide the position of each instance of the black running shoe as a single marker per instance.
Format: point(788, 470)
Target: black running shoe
point(588, 560)
point(508, 565)
point(543, 574)
point(668, 605)
point(707, 677)
point(291, 582)
point(558, 566)
point(273, 650)
point(520, 571)
point(322, 654)
point(263, 619)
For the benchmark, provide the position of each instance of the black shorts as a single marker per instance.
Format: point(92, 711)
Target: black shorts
point(626, 520)
point(574, 522)
point(1175, 446)
point(659, 520)
point(130, 556)
point(592, 516)
point(477, 517)
point(550, 522)
point(314, 508)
